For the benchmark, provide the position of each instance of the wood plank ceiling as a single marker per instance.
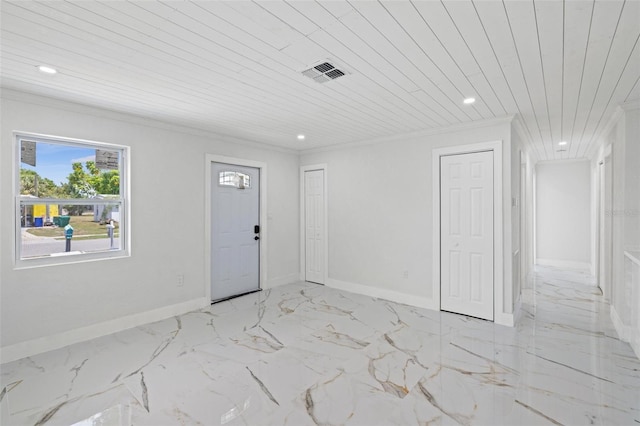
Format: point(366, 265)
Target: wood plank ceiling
point(235, 67)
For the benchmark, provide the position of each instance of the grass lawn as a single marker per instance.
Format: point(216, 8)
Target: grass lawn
point(82, 225)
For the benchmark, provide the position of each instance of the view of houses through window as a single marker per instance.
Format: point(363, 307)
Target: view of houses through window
point(69, 198)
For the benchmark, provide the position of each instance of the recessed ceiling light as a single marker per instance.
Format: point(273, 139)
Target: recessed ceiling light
point(469, 101)
point(47, 70)
point(563, 143)
point(300, 137)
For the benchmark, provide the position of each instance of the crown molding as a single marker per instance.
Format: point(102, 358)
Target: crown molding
point(98, 111)
point(412, 135)
point(618, 113)
point(630, 105)
point(518, 125)
point(592, 151)
point(564, 161)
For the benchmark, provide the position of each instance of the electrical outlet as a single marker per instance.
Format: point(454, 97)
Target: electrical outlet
point(180, 280)
point(405, 274)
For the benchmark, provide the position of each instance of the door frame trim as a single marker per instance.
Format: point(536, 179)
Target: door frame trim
point(600, 221)
point(498, 202)
point(262, 167)
point(303, 257)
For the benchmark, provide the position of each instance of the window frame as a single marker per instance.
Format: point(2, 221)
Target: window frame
point(125, 214)
point(239, 180)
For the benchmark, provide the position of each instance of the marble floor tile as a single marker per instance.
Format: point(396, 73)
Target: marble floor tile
point(304, 354)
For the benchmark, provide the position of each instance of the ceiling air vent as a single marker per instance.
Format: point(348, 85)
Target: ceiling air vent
point(323, 72)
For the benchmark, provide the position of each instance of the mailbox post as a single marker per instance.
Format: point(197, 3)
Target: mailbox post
point(110, 231)
point(68, 234)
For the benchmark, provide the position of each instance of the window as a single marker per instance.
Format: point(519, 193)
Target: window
point(71, 201)
point(235, 179)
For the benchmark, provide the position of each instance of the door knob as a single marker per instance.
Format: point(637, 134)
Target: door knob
point(256, 238)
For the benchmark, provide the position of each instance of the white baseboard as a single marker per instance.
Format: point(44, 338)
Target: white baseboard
point(626, 333)
point(634, 341)
point(57, 341)
point(502, 318)
point(568, 264)
point(621, 329)
point(275, 282)
point(510, 320)
point(381, 293)
point(407, 299)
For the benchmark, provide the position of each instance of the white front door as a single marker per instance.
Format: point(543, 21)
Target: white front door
point(235, 233)
point(466, 234)
point(314, 225)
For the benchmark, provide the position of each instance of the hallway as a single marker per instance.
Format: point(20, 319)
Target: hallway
point(305, 354)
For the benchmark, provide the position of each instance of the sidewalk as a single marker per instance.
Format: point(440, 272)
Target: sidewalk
point(34, 246)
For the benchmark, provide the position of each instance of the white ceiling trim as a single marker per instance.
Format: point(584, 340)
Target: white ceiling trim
point(76, 107)
point(479, 124)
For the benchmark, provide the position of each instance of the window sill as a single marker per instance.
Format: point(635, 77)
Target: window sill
point(69, 258)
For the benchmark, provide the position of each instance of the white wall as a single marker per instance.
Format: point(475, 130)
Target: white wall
point(625, 214)
point(381, 210)
point(41, 307)
point(632, 178)
point(563, 213)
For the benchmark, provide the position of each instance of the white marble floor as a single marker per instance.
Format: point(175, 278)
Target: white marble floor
point(304, 354)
